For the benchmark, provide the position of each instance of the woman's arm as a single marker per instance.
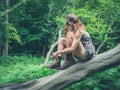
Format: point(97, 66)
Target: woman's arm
point(75, 44)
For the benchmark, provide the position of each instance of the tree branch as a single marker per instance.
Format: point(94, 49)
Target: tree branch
point(9, 10)
point(52, 47)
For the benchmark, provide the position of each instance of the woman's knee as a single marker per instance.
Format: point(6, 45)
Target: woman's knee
point(62, 40)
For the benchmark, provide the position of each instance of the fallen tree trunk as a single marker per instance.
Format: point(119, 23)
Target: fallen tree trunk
point(75, 73)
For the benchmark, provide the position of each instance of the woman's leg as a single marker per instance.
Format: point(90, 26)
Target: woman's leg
point(69, 61)
point(61, 46)
point(80, 52)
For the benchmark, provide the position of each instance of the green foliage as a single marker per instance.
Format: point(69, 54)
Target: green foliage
point(34, 26)
point(3, 33)
point(12, 33)
point(8, 33)
point(22, 68)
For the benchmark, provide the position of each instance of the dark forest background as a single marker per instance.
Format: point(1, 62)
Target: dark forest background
point(31, 26)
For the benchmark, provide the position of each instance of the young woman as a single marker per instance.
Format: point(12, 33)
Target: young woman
point(77, 44)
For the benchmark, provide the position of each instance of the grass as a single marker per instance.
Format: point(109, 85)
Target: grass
point(23, 68)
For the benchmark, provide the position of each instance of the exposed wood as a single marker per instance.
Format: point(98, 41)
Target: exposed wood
point(75, 73)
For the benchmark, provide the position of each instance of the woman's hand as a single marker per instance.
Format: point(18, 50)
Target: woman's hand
point(54, 55)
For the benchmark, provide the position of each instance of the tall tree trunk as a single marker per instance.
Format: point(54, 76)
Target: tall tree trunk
point(0, 41)
point(5, 51)
point(44, 47)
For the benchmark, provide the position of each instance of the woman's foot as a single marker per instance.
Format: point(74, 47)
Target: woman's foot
point(68, 62)
point(55, 65)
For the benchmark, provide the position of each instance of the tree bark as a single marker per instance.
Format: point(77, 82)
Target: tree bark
point(75, 73)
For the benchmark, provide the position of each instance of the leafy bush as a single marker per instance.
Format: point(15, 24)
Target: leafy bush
point(23, 68)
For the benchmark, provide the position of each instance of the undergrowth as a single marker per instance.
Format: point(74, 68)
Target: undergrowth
point(25, 68)
point(22, 68)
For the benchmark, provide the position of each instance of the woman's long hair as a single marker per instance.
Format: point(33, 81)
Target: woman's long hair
point(73, 23)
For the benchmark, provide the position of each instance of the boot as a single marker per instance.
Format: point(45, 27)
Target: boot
point(68, 62)
point(55, 65)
